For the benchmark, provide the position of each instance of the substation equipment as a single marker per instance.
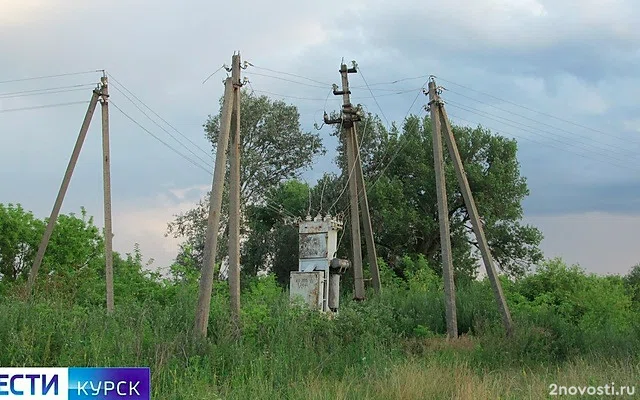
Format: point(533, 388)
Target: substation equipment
point(317, 280)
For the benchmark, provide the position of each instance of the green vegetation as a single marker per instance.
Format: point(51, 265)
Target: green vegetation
point(398, 166)
point(573, 329)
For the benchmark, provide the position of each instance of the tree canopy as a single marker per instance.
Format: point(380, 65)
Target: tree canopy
point(402, 195)
point(398, 169)
point(274, 148)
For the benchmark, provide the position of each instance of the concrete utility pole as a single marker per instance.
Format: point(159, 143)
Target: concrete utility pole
point(106, 175)
point(470, 204)
point(372, 256)
point(61, 193)
point(443, 216)
point(234, 199)
point(215, 203)
point(349, 116)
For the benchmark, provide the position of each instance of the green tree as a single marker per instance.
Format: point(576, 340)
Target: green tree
point(20, 234)
point(75, 243)
point(272, 242)
point(274, 149)
point(632, 282)
point(398, 166)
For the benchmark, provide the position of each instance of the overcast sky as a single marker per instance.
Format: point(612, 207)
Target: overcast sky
point(559, 76)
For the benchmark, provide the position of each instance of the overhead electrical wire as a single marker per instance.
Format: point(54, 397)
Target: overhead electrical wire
point(543, 143)
point(161, 127)
point(538, 112)
point(208, 168)
point(50, 76)
point(617, 148)
point(282, 210)
point(540, 132)
point(208, 171)
point(212, 74)
point(394, 82)
point(288, 80)
point(288, 96)
point(37, 91)
point(118, 83)
point(318, 99)
point(6, 110)
point(350, 176)
point(43, 93)
point(534, 132)
point(291, 74)
point(401, 147)
point(374, 97)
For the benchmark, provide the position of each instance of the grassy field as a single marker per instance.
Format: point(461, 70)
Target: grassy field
point(389, 347)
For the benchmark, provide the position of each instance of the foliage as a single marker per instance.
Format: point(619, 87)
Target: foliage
point(274, 148)
point(73, 268)
point(398, 165)
point(561, 313)
point(632, 283)
point(20, 234)
point(272, 244)
point(285, 352)
point(402, 195)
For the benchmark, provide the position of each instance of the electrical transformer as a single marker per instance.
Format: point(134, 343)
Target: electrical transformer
point(317, 280)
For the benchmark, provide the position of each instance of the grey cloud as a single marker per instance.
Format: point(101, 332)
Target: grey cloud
point(162, 51)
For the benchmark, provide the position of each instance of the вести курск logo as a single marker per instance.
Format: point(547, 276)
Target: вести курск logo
point(75, 383)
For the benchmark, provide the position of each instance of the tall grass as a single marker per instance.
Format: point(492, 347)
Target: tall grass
point(389, 347)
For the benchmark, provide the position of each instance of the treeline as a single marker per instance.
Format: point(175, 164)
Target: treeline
point(562, 314)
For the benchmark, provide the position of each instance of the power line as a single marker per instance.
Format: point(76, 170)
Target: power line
point(43, 106)
point(287, 96)
point(44, 93)
point(208, 171)
point(325, 99)
point(390, 94)
point(162, 141)
point(394, 82)
point(374, 97)
point(536, 111)
point(118, 83)
point(404, 90)
point(541, 123)
point(46, 89)
point(49, 76)
point(288, 80)
point(162, 128)
point(212, 74)
point(536, 131)
point(403, 120)
point(535, 141)
point(415, 99)
point(548, 144)
point(290, 74)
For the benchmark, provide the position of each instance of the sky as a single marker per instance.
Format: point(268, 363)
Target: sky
point(558, 76)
